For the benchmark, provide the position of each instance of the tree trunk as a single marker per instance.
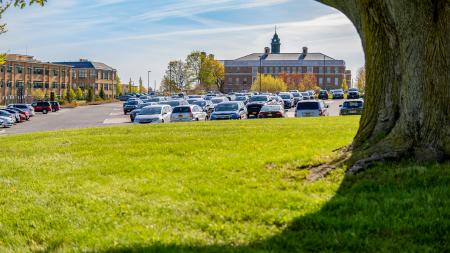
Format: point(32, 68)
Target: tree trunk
point(407, 107)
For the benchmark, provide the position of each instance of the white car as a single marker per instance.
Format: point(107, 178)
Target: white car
point(188, 113)
point(154, 114)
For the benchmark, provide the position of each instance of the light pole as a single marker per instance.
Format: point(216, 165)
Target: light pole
point(148, 81)
point(260, 76)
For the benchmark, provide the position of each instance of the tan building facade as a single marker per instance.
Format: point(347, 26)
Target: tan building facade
point(96, 75)
point(22, 75)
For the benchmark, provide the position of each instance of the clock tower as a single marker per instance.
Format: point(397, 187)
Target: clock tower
point(276, 44)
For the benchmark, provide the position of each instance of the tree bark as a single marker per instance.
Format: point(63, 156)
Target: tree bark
point(407, 107)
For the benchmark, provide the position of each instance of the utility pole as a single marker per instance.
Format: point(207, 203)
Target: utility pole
point(148, 81)
point(260, 76)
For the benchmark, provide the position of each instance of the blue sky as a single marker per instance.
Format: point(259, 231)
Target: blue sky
point(134, 36)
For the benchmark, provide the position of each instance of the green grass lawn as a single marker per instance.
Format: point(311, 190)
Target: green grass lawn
point(212, 187)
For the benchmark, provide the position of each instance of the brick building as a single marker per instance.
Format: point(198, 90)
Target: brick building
point(241, 73)
point(21, 75)
point(96, 75)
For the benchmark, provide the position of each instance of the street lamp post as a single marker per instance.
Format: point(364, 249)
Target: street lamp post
point(148, 81)
point(260, 76)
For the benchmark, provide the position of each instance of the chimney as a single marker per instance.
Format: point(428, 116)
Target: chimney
point(305, 50)
point(266, 50)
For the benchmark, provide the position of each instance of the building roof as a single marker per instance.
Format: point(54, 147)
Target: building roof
point(83, 64)
point(29, 59)
point(286, 57)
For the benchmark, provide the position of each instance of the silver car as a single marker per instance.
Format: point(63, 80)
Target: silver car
point(154, 114)
point(311, 108)
point(188, 113)
point(6, 122)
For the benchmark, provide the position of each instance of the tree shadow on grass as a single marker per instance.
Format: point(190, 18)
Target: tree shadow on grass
point(398, 207)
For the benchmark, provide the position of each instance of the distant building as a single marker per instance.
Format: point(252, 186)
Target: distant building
point(96, 75)
point(242, 72)
point(21, 75)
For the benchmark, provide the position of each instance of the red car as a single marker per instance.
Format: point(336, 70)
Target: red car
point(272, 111)
point(43, 107)
point(55, 106)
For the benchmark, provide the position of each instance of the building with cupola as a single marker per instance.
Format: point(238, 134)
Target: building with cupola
point(242, 72)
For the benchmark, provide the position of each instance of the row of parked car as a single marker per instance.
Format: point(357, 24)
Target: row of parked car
point(161, 109)
point(18, 113)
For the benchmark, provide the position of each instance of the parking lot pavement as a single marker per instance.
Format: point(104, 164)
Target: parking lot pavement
point(80, 117)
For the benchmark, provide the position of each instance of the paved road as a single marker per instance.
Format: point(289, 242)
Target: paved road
point(96, 116)
point(80, 117)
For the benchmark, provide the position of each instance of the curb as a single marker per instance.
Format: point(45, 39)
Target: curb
point(2, 132)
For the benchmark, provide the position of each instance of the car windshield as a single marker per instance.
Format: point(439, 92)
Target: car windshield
point(241, 98)
point(171, 103)
point(182, 109)
point(192, 101)
point(154, 100)
point(258, 98)
point(200, 103)
point(271, 108)
point(308, 106)
point(323, 92)
point(135, 102)
point(150, 111)
point(353, 104)
point(226, 107)
point(217, 100)
point(305, 94)
point(296, 94)
point(285, 96)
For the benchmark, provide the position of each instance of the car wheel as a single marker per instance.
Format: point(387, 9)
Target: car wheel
point(162, 121)
point(44, 111)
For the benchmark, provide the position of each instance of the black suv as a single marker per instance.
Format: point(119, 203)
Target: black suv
point(130, 106)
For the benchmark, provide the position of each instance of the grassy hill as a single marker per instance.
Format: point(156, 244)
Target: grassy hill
point(212, 187)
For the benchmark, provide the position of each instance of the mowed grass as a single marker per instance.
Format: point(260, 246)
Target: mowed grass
point(212, 187)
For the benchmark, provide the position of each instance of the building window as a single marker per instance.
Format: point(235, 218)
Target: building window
point(82, 73)
point(55, 72)
point(38, 71)
point(9, 70)
point(9, 84)
point(2, 68)
point(74, 74)
point(63, 86)
point(29, 84)
point(54, 85)
point(336, 70)
point(320, 80)
point(106, 87)
point(19, 69)
point(63, 73)
point(30, 70)
point(336, 81)
point(328, 80)
point(46, 85)
point(328, 70)
point(230, 80)
point(47, 71)
point(310, 69)
point(19, 84)
point(2, 83)
point(321, 70)
point(237, 80)
point(96, 86)
point(238, 70)
point(94, 73)
point(38, 85)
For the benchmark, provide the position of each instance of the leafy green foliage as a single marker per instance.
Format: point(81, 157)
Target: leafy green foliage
point(101, 94)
